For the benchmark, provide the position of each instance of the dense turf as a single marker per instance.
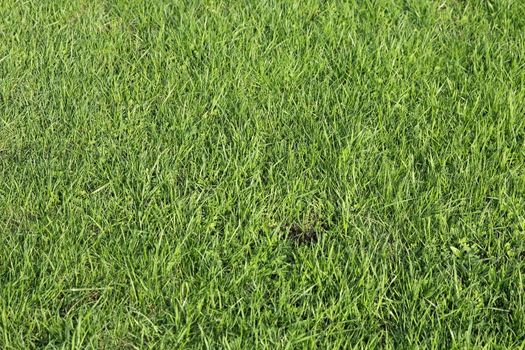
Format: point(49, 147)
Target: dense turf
point(270, 174)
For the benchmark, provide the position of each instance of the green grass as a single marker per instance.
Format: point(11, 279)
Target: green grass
point(155, 154)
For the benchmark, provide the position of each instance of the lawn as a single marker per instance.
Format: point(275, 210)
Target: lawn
point(262, 174)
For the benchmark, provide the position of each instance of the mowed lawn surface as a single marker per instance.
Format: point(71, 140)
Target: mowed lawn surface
point(262, 174)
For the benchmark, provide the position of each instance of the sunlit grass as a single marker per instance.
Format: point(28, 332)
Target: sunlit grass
point(262, 174)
